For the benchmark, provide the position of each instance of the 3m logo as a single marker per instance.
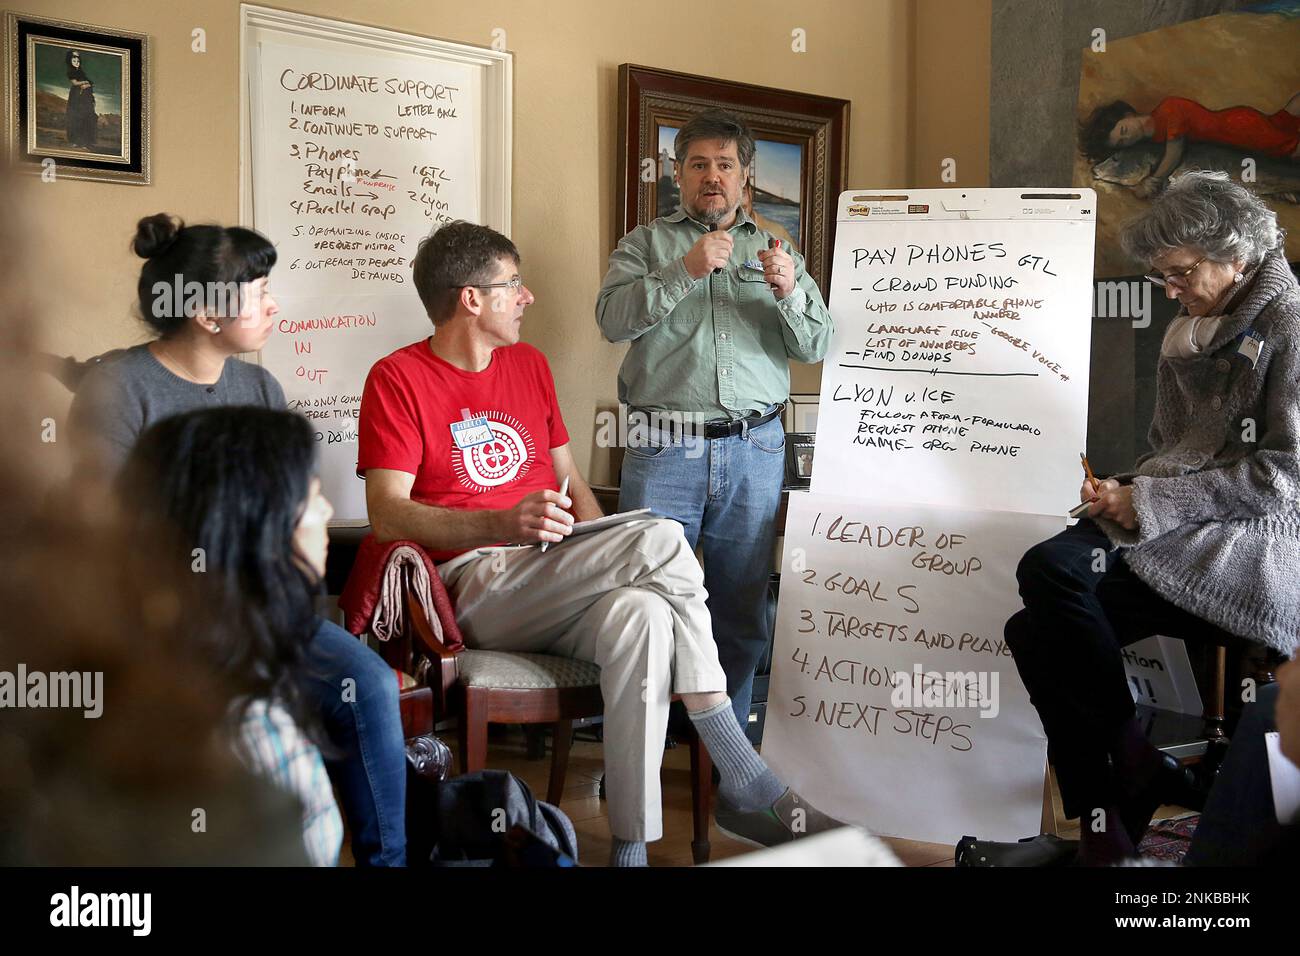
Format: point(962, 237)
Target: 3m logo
point(1086, 212)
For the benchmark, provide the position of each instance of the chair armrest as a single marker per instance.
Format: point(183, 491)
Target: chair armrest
point(443, 672)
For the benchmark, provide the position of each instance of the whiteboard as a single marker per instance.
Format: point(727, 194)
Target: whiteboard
point(958, 372)
point(356, 143)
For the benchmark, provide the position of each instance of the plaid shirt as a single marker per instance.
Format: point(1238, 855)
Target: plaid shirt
point(272, 746)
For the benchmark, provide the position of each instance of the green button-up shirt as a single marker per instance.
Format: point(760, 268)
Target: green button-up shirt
point(719, 345)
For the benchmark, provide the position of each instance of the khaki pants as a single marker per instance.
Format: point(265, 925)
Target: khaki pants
point(631, 600)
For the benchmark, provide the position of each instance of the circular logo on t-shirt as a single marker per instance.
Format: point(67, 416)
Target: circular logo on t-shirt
point(503, 458)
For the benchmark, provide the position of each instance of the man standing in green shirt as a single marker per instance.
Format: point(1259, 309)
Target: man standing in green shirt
point(713, 317)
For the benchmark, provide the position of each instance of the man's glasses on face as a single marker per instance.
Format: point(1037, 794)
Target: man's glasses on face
point(514, 283)
point(1177, 280)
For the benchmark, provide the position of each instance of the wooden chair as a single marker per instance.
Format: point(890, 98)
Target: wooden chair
point(1257, 662)
point(502, 687)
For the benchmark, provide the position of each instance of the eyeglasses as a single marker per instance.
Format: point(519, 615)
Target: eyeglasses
point(1176, 279)
point(515, 283)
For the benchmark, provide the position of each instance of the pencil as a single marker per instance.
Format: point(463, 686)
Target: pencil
point(1087, 470)
point(564, 490)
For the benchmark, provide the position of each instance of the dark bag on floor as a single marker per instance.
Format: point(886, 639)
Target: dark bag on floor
point(479, 819)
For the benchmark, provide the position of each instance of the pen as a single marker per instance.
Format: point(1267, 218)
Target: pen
point(1087, 470)
point(564, 490)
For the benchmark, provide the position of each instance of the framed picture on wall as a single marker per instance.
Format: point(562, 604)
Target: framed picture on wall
point(76, 100)
point(800, 156)
point(801, 413)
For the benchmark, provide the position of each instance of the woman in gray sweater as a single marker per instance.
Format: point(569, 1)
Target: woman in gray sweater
point(1202, 537)
point(203, 292)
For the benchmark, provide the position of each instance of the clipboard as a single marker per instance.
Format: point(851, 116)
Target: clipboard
point(585, 527)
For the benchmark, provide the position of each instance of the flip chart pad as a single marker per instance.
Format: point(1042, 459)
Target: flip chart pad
point(895, 703)
point(360, 142)
point(958, 373)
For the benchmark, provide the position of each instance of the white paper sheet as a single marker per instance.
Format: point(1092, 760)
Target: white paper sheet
point(872, 590)
point(958, 374)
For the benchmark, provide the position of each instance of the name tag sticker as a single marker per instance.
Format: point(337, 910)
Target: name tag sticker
point(1251, 344)
point(471, 432)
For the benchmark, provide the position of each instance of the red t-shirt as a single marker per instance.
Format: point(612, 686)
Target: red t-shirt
point(413, 399)
point(1242, 126)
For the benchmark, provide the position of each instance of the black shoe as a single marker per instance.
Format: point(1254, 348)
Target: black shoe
point(1045, 851)
point(1171, 783)
point(791, 817)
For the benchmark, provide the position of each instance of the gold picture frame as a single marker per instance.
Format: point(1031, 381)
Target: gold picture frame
point(76, 100)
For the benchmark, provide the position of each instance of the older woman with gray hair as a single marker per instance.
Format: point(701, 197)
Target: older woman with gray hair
point(1202, 537)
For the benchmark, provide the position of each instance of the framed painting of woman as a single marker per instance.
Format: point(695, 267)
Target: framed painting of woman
point(77, 100)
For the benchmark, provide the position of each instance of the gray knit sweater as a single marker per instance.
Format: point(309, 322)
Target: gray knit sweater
point(1219, 513)
point(122, 397)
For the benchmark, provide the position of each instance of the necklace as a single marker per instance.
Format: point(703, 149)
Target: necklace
point(173, 363)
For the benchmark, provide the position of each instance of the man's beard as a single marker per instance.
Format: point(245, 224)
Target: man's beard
point(711, 217)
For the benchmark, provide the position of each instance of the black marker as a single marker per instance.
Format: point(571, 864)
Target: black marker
point(714, 228)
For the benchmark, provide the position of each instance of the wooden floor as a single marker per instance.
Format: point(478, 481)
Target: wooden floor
point(507, 750)
point(589, 813)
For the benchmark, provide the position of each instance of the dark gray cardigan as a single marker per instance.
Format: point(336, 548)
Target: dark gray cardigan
point(1218, 497)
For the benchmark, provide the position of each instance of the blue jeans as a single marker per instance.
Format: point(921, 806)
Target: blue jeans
point(364, 724)
point(726, 494)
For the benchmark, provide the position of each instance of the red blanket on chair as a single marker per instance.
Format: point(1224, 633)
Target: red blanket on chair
point(372, 600)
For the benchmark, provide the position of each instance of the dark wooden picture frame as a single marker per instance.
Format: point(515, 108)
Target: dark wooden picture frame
point(799, 453)
point(88, 116)
point(818, 125)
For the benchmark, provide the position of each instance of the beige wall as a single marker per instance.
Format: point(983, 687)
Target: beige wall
point(951, 39)
point(880, 54)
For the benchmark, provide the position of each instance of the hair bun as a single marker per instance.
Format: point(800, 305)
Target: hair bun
point(155, 234)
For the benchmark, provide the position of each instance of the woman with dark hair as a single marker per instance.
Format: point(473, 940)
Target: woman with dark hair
point(203, 292)
point(1175, 120)
point(203, 289)
point(81, 123)
point(1202, 537)
point(238, 488)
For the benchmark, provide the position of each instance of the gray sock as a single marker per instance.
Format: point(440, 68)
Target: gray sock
point(747, 782)
point(627, 853)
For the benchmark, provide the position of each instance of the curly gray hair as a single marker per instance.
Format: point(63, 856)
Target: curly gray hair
point(1205, 210)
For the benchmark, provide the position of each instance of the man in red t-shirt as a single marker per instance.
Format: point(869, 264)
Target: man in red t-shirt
point(462, 447)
